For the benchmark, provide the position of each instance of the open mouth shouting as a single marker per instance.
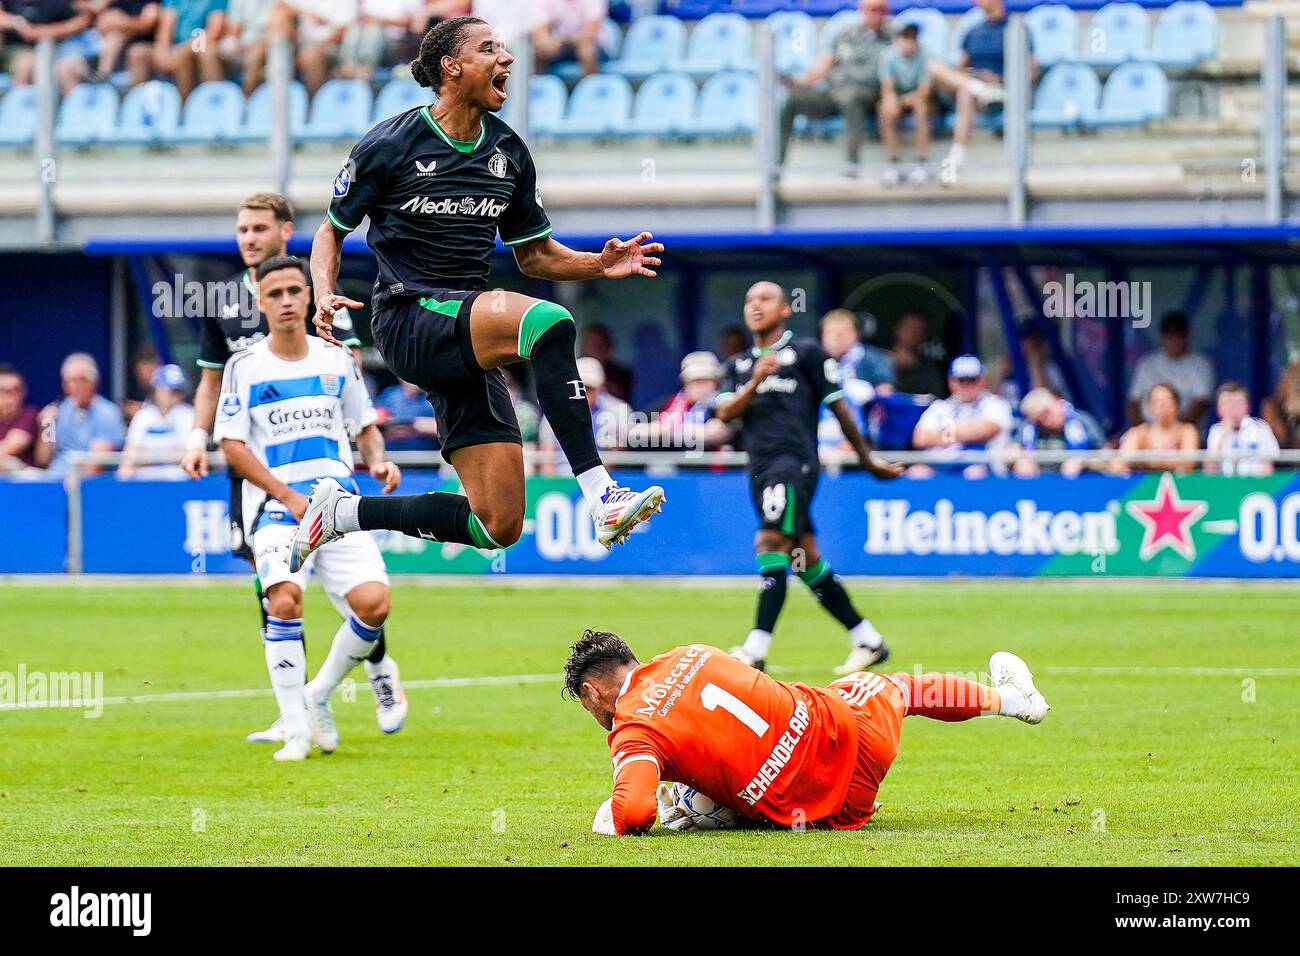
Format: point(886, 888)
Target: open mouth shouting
point(499, 83)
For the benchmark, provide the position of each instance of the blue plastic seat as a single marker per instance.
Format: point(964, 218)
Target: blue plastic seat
point(1067, 96)
point(1186, 33)
point(727, 105)
point(339, 110)
point(721, 41)
point(212, 113)
point(18, 116)
point(832, 27)
point(1054, 33)
point(664, 106)
point(150, 114)
point(86, 115)
point(599, 106)
point(931, 24)
point(546, 98)
point(652, 44)
point(398, 96)
point(759, 8)
point(1135, 93)
point(258, 116)
point(1118, 32)
point(794, 41)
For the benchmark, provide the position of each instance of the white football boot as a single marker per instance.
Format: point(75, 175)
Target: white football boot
point(320, 717)
point(622, 509)
point(317, 525)
point(272, 735)
point(1008, 670)
point(390, 699)
point(296, 747)
point(862, 658)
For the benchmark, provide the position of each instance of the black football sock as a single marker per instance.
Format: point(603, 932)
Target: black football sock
point(561, 394)
point(830, 593)
point(380, 650)
point(437, 516)
point(774, 566)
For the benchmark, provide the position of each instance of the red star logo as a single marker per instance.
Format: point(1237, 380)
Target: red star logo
point(1167, 521)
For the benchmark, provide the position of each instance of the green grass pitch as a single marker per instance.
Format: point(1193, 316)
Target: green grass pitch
point(1174, 739)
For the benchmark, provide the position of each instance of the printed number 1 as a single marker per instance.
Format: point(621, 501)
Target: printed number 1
point(713, 697)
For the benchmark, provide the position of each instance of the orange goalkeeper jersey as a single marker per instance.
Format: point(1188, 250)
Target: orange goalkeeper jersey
point(768, 749)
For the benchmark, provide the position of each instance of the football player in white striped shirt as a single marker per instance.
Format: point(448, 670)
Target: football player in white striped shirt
point(290, 406)
point(1247, 443)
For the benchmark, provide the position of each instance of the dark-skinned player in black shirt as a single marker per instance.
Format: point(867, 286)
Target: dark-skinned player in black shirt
point(438, 184)
point(776, 391)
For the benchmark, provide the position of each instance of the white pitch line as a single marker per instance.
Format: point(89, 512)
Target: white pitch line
point(1183, 671)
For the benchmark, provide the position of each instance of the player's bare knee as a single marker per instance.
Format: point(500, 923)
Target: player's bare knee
point(284, 601)
point(371, 606)
point(504, 529)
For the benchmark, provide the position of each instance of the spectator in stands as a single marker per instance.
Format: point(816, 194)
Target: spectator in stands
point(569, 30)
point(160, 428)
point(905, 87)
point(144, 362)
point(187, 42)
point(1190, 373)
point(406, 418)
point(1282, 409)
point(844, 81)
point(19, 422)
point(124, 25)
point(842, 339)
point(1042, 370)
point(971, 419)
point(916, 370)
point(383, 33)
point(610, 418)
point(1053, 424)
point(243, 43)
point(598, 343)
point(1247, 443)
point(733, 340)
point(976, 80)
point(316, 28)
point(687, 419)
point(84, 421)
point(65, 22)
point(1163, 431)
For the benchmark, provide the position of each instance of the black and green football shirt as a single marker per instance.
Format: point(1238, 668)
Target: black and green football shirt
point(781, 420)
point(435, 203)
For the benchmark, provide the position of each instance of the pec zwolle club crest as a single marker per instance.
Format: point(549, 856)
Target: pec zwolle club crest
point(331, 385)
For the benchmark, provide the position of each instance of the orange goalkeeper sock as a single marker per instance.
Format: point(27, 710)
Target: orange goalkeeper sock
point(946, 696)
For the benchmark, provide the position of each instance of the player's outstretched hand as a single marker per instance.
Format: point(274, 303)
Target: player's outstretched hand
point(388, 473)
point(672, 814)
point(195, 463)
point(884, 470)
point(326, 306)
point(296, 503)
point(764, 367)
point(604, 822)
point(632, 257)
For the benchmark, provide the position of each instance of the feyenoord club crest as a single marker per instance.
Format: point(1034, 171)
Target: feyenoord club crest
point(497, 165)
point(331, 385)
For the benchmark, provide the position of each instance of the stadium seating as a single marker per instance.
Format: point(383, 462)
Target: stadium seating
point(933, 27)
point(398, 96)
point(794, 36)
point(718, 42)
point(339, 110)
point(1118, 32)
point(257, 117)
point(18, 116)
point(86, 115)
point(611, 41)
point(1135, 93)
point(149, 115)
point(652, 44)
point(727, 105)
point(1186, 33)
point(546, 98)
point(1054, 33)
point(599, 106)
point(832, 27)
point(664, 106)
point(213, 112)
point(1067, 96)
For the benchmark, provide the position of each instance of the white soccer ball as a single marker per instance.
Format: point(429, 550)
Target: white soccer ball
point(705, 813)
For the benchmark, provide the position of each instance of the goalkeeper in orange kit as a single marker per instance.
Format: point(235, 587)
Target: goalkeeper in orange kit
point(782, 753)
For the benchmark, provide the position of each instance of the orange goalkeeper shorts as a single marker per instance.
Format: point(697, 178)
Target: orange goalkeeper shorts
point(880, 705)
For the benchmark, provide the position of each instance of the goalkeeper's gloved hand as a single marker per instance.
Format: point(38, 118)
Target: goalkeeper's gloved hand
point(672, 814)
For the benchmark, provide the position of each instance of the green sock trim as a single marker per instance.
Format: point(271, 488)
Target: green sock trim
point(534, 323)
point(450, 308)
point(787, 523)
point(773, 561)
point(482, 540)
point(816, 574)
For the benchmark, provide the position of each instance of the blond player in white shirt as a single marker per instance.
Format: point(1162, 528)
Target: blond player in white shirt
point(1247, 444)
point(290, 406)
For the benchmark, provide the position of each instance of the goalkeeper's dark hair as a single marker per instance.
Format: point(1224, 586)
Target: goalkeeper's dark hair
point(596, 654)
point(443, 39)
point(276, 263)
